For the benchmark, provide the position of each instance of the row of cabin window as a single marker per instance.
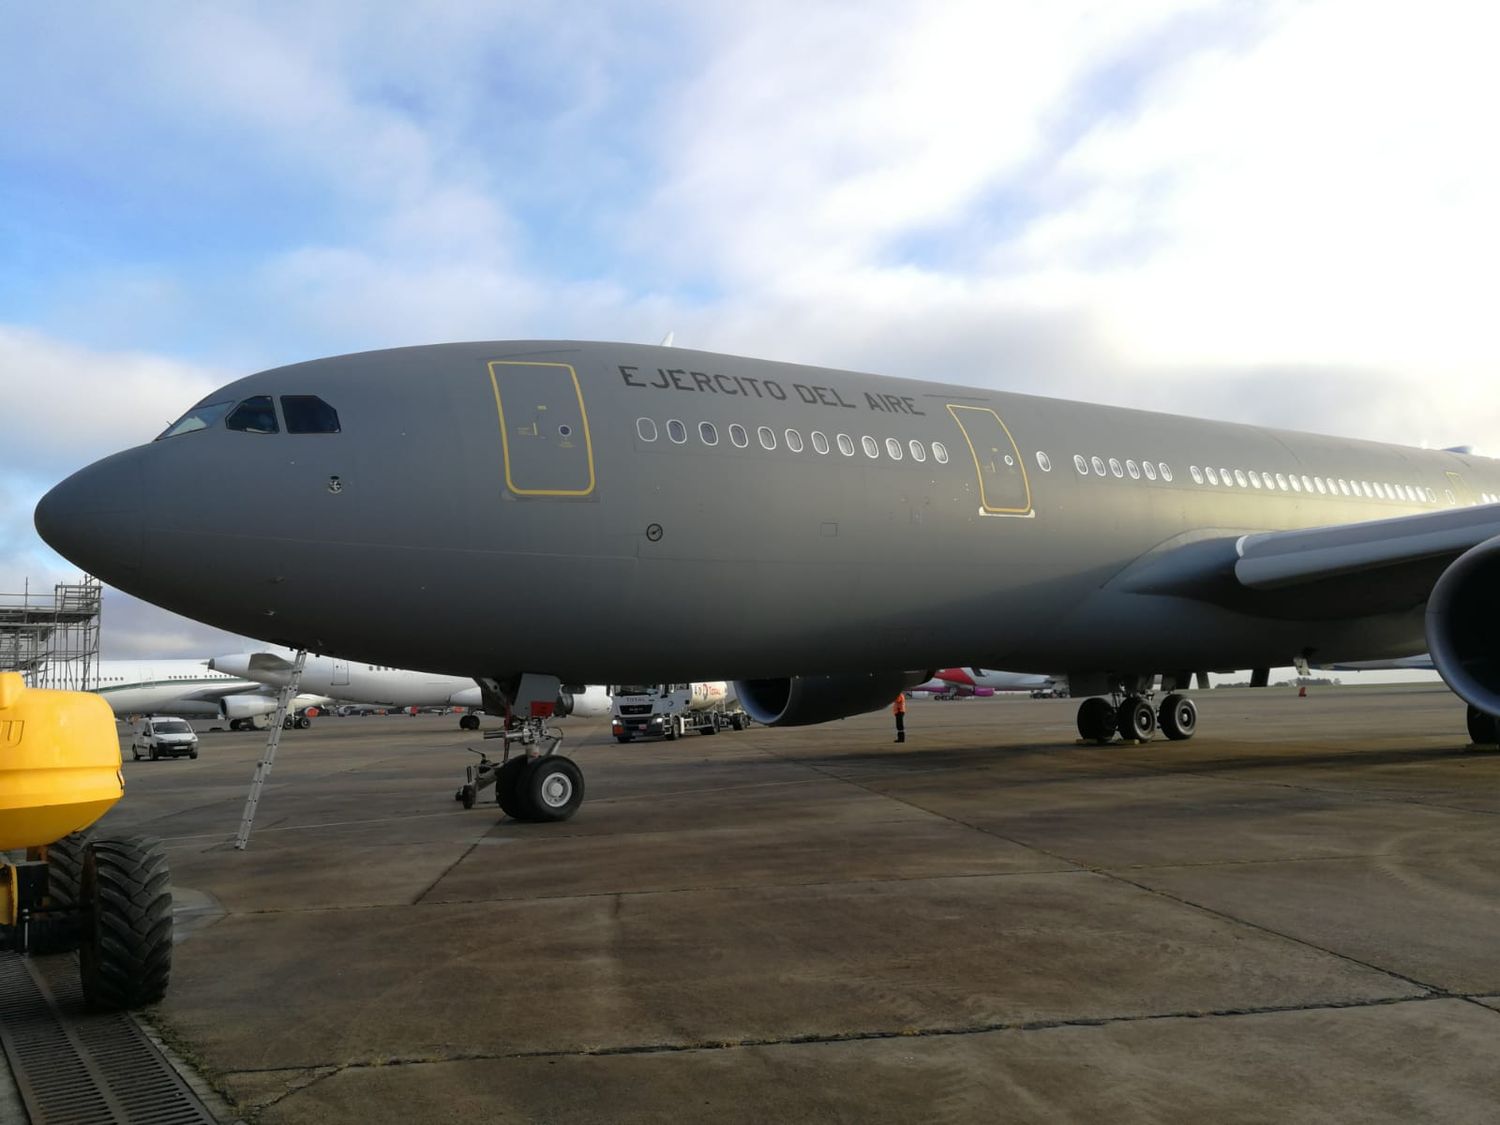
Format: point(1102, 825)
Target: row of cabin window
point(1323, 486)
point(1150, 469)
point(739, 437)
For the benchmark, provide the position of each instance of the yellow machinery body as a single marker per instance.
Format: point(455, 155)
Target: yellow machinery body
point(59, 763)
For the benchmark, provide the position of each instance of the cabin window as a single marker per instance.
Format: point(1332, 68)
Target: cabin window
point(1281, 482)
point(1344, 487)
point(1080, 464)
point(1270, 481)
point(1239, 478)
point(1165, 470)
point(1431, 496)
point(794, 441)
point(1098, 463)
point(708, 433)
point(1043, 462)
point(1296, 484)
point(940, 453)
point(1364, 487)
point(1213, 477)
point(676, 431)
point(198, 418)
point(1114, 467)
point(893, 449)
point(868, 444)
point(738, 436)
point(1149, 469)
point(308, 414)
point(919, 451)
point(1133, 469)
point(1254, 478)
point(645, 429)
point(820, 441)
point(1319, 482)
point(767, 437)
point(1227, 477)
point(846, 445)
point(1197, 474)
point(255, 415)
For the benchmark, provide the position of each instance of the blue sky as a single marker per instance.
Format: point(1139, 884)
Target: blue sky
point(1280, 212)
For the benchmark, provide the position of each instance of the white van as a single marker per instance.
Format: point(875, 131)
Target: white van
point(163, 737)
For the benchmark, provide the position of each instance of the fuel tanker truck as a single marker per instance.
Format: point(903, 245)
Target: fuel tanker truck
point(671, 710)
point(108, 897)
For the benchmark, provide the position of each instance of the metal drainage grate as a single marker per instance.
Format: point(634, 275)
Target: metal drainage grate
point(74, 1066)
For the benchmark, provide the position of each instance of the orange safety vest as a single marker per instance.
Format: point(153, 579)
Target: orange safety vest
point(899, 707)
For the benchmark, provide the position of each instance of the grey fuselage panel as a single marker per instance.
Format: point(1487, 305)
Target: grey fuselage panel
point(500, 507)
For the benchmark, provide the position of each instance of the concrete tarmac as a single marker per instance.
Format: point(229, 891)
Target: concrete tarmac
point(1290, 918)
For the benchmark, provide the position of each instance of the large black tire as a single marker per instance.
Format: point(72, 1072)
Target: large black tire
point(57, 930)
point(1179, 717)
point(125, 955)
point(468, 722)
point(286, 723)
point(468, 796)
point(508, 793)
point(1096, 719)
point(1484, 728)
point(303, 722)
point(553, 788)
point(1135, 720)
point(622, 738)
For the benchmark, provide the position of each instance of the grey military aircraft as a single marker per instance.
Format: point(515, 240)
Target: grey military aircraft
point(542, 512)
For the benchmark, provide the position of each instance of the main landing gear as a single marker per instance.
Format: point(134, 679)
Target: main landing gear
point(1484, 728)
point(1134, 719)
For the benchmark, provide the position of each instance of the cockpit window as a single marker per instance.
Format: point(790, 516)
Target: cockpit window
point(200, 417)
point(254, 416)
point(308, 414)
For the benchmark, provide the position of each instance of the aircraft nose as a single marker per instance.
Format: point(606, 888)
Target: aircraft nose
point(93, 518)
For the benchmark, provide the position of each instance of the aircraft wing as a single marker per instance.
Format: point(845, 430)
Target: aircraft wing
point(1380, 563)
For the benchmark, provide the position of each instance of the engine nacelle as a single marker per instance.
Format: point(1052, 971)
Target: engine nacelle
point(1463, 626)
point(247, 706)
point(586, 702)
point(803, 700)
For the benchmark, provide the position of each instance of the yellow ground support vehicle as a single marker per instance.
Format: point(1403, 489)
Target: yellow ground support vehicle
point(108, 897)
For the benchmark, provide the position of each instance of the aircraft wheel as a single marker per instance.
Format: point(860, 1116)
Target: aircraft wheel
point(1096, 719)
point(286, 723)
point(468, 722)
point(1484, 728)
point(508, 793)
point(125, 954)
point(1135, 720)
point(468, 795)
point(553, 787)
point(303, 722)
point(1179, 717)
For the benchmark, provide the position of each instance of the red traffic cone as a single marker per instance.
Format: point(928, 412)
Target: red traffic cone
point(1302, 692)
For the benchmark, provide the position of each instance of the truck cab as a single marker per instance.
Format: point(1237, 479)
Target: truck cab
point(163, 736)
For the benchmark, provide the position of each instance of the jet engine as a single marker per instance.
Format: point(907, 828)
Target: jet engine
point(803, 700)
point(1463, 613)
point(246, 706)
point(590, 701)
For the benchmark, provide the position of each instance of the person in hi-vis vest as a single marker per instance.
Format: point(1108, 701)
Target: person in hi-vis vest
point(899, 710)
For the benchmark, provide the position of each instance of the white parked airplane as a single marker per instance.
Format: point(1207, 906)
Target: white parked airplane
point(383, 686)
point(190, 687)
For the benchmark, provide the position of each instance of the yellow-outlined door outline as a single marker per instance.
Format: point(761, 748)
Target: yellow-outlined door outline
point(1462, 495)
point(588, 441)
point(993, 505)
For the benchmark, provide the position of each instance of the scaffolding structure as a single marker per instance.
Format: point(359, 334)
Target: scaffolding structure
point(53, 640)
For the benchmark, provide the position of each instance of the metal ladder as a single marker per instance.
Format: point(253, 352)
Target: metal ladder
point(268, 759)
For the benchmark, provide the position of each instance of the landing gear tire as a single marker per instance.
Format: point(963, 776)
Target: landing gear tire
point(468, 722)
point(553, 787)
point(507, 789)
point(737, 722)
point(1484, 728)
point(125, 951)
point(286, 723)
point(1135, 720)
point(303, 722)
point(1179, 717)
point(235, 724)
point(1096, 720)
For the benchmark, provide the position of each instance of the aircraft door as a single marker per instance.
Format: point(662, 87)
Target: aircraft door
point(544, 429)
point(340, 673)
point(1459, 489)
point(1004, 488)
